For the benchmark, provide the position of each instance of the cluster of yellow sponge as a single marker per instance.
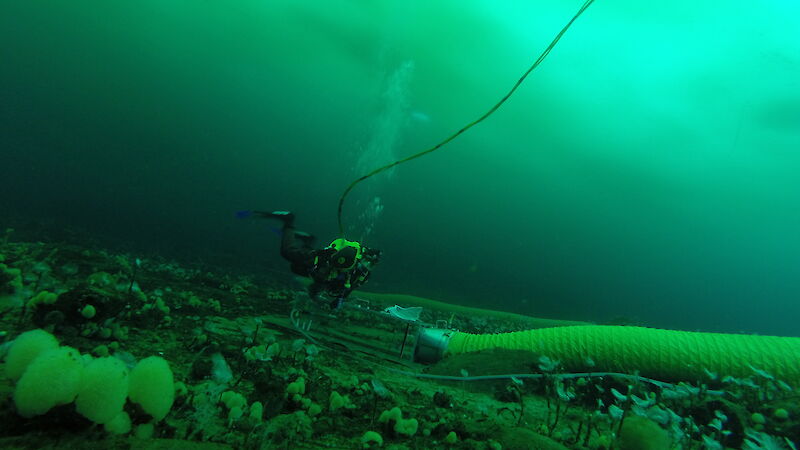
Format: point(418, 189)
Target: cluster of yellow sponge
point(48, 375)
point(407, 427)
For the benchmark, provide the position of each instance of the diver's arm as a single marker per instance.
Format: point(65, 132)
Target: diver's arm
point(372, 255)
point(339, 300)
point(358, 279)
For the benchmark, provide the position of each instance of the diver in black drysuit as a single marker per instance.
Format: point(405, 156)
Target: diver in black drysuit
point(336, 270)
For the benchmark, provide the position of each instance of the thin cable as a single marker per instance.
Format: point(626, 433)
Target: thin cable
point(494, 108)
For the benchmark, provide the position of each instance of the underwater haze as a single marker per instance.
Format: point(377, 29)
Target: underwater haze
point(647, 171)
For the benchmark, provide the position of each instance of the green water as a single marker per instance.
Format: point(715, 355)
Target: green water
point(647, 169)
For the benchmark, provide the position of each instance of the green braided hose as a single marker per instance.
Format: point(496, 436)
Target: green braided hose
point(661, 354)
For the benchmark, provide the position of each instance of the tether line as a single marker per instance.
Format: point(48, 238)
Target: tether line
point(488, 113)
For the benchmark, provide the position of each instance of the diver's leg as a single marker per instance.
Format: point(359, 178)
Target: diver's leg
point(293, 246)
point(307, 238)
point(287, 217)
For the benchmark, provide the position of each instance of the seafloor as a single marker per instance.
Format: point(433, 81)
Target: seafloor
point(256, 364)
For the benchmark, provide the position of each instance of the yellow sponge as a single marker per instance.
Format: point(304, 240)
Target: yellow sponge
point(52, 379)
point(120, 424)
point(25, 348)
point(152, 386)
point(103, 390)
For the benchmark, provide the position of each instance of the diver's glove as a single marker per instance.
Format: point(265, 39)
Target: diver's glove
point(372, 255)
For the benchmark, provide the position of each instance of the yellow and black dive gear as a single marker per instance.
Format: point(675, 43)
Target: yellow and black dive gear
point(342, 258)
point(348, 253)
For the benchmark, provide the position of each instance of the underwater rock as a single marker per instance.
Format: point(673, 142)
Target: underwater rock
point(641, 433)
point(71, 303)
point(519, 438)
point(488, 362)
point(442, 399)
point(290, 428)
point(52, 318)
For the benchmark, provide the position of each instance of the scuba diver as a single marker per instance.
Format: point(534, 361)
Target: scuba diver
point(336, 270)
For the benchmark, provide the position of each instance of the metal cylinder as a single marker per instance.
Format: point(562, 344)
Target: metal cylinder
point(431, 345)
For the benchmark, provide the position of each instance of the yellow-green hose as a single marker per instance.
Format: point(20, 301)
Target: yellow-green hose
point(661, 354)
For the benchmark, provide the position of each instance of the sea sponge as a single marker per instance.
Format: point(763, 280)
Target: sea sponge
point(52, 379)
point(297, 387)
point(152, 386)
point(371, 438)
point(407, 427)
point(25, 348)
point(256, 411)
point(103, 390)
point(144, 431)
point(120, 424)
point(337, 401)
point(44, 297)
point(233, 399)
